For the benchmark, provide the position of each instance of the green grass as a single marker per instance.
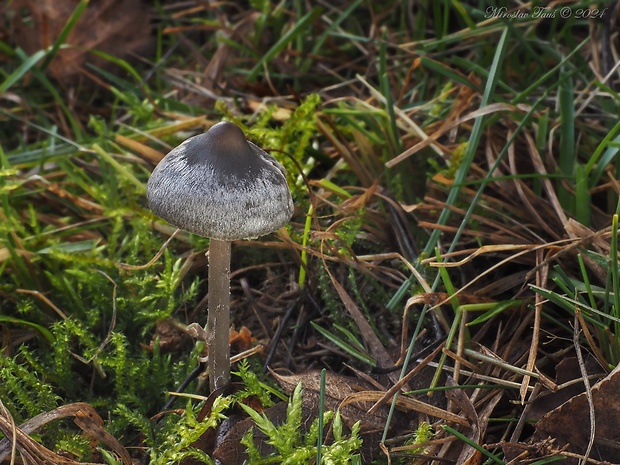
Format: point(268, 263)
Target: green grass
point(454, 173)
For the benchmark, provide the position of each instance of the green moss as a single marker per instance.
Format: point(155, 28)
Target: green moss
point(292, 446)
point(24, 391)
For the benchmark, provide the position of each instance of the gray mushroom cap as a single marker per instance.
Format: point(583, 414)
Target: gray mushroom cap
point(220, 185)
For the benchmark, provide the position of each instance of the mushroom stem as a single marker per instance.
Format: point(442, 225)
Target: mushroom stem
point(218, 320)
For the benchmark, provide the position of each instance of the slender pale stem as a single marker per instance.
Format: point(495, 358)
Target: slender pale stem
point(218, 321)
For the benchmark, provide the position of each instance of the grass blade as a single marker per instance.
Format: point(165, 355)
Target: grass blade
point(287, 38)
point(330, 30)
point(348, 348)
point(21, 70)
point(566, 158)
point(476, 446)
point(64, 33)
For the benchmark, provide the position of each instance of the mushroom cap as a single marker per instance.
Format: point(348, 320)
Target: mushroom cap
point(220, 185)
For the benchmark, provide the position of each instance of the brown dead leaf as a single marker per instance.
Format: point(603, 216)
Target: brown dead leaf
point(459, 397)
point(337, 389)
point(118, 27)
point(405, 404)
point(567, 370)
point(85, 417)
point(479, 422)
point(569, 424)
point(91, 423)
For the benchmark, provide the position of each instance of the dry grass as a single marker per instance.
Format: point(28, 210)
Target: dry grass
point(456, 187)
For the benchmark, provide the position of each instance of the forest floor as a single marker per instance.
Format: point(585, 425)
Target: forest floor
point(448, 283)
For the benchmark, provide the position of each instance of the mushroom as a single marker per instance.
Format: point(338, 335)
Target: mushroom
point(221, 186)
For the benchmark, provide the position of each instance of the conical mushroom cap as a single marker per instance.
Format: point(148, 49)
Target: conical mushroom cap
point(220, 185)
